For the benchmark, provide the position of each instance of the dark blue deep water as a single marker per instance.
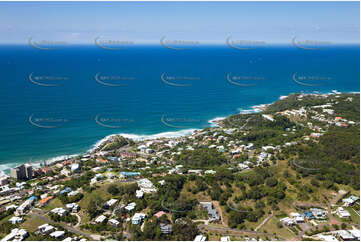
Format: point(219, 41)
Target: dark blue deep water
point(61, 102)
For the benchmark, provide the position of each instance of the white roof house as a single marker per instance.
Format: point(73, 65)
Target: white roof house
point(111, 202)
point(114, 222)
point(72, 193)
point(15, 220)
point(288, 221)
point(242, 166)
point(74, 167)
point(294, 214)
point(100, 219)
point(46, 228)
point(146, 186)
point(57, 234)
point(225, 239)
point(60, 211)
point(342, 213)
point(200, 238)
point(356, 233)
point(16, 234)
point(139, 193)
point(138, 218)
point(130, 207)
point(345, 235)
point(73, 207)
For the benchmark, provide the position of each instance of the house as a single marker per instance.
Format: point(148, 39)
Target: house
point(267, 147)
point(345, 235)
point(146, 186)
point(110, 175)
point(350, 200)
point(100, 219)
point(59, 211)
point(242, 166)
point(10, 207)
point(114, 222)
point(45, 200)
point(200, 238)
point(66, 190)
point(288, 221)
point(327, 237)
point(142, 148)
point(293, 215)
point(46, 229)
point(165, 228)
point(160, 214)
point(16, 235)
point(15, 220)
point(130, 207)
point(342, 213)
point(111, 202)
point(73, 193)
point(355, 233)
point(57, 234)
point(139, 193)
point(318, 213)
point(73, 207)
point(24, 208)
point(138, 218)
point(4, 180)
point(308, 215)
point(211, 172)
point(197, 172)
point(225, 239)
point(212, 212)
point(74, 167)
point(299, 219)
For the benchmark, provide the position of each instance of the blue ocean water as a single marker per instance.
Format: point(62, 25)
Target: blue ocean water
point(61, 102)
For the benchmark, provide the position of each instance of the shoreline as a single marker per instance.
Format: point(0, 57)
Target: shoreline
point(4, 168)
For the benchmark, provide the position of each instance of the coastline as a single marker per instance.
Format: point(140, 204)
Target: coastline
point(4, 168)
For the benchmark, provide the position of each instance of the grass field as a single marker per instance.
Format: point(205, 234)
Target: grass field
point(32, 223)
point(271, 227)
point(55, 203)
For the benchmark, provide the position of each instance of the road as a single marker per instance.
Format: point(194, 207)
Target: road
point(229, 231)
point(264, 221)
point(35, 212)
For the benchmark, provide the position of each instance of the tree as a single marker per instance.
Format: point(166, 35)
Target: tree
point(271, 182)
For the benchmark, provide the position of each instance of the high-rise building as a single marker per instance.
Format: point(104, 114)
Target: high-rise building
point(22, 172)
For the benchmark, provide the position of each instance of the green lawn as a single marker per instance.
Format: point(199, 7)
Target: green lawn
point(32, 223)
point(55, 203)
point(271, 227)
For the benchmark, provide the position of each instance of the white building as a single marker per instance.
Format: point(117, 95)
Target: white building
point(23, 208)
point(146, 186)
point(288, 221)
point(100, 219)
point(59, 211)
point(46, 229)
point(16, 235)
point(111, 202)
point(342, 213)
point(57, 234)
point(138, 218)
point(225, 239)
point(114, 222)
point(74, 167)
point(200, 238)
point(73, 207)
point(139, 193)
point(15, 220)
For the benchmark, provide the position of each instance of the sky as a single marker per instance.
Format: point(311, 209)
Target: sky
point(203, 22)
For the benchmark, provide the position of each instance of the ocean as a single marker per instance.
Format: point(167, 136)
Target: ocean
point(63, 101)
